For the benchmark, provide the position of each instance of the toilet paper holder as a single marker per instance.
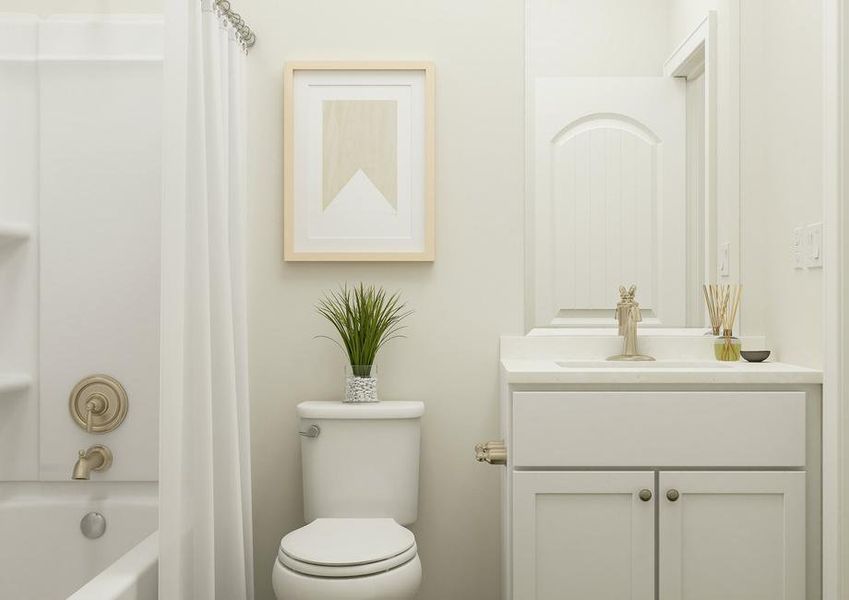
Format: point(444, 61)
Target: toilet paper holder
point(493, 452)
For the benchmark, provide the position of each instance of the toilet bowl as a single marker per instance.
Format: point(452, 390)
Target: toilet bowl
point(347, 559)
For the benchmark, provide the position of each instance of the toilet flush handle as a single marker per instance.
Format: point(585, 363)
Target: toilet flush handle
point(313, 432)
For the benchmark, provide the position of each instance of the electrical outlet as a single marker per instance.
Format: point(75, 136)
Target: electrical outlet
point(813, 245)
point(725, 260)
point(798, 248)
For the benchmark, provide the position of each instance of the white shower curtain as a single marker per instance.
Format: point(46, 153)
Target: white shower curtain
point(204, 463)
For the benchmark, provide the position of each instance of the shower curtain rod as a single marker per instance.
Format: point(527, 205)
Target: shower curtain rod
point(245, 34)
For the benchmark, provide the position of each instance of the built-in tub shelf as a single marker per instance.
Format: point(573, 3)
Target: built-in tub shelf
point(14, 232)
point(12, 383)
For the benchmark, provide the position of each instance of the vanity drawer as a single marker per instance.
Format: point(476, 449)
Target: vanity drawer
point(658, 429)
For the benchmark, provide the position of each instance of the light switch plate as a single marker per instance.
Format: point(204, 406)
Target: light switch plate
point(725, 260)
point(799, 248)
point(813, 245)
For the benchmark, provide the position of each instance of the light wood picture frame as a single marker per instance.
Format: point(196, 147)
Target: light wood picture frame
point(359, 171)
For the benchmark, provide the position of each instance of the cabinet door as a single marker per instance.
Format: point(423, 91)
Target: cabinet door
point(732, 536)
point(582, 535)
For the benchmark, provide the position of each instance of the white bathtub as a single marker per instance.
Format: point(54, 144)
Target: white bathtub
point(44, 555)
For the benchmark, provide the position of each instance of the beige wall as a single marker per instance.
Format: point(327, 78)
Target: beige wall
point(596, 38)
point(781, 176)
point(770, 95)
point(463, 301)
point(685, 15)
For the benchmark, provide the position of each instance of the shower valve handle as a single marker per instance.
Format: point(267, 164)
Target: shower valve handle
point(95, 406)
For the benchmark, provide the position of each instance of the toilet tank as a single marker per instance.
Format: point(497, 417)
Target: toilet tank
point(364, 462)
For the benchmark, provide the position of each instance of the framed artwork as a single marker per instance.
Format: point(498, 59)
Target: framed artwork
point(359, 161)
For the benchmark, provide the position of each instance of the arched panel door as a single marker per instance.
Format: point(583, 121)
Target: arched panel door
point(608, 199)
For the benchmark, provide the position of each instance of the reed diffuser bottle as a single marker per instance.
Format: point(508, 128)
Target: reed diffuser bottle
point(727, 347)
point(722, 303)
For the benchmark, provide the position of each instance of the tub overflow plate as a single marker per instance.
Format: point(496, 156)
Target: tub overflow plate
point(93, 525)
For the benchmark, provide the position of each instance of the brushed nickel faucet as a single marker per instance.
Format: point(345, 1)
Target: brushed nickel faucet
point(628, 315)
point(96, 458)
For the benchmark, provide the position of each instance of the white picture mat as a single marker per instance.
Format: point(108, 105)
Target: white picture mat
point(318, 230)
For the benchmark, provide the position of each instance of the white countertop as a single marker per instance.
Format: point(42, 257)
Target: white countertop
point(683, 357)
point(541, 371)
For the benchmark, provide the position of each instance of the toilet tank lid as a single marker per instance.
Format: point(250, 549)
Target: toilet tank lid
point(408, 409)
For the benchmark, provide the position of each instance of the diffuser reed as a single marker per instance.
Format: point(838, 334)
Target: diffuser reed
point(713, 302)
point(731, 305)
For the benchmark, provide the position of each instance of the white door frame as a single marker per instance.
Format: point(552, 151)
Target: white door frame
point(835, 459)
point(695, 56)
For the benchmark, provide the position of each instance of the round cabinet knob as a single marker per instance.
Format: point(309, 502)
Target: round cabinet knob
point(672, 495)
point(645, 495)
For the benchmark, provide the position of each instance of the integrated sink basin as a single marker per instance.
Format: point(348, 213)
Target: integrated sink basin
point(650, 365)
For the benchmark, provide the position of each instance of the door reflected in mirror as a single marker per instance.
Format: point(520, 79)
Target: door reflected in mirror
point(621, 161)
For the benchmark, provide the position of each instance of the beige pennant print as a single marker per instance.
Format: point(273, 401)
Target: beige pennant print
point(360, 135)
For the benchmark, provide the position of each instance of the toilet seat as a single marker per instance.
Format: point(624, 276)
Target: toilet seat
point(350, 571)
point(400, 583)
point(347, 547)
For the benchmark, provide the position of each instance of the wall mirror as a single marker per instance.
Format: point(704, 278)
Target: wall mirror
point(621, 150)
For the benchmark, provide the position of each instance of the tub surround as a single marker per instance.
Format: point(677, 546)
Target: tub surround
point(79, 134)
point(79, 261)
point(13, 383)
point(14, 232)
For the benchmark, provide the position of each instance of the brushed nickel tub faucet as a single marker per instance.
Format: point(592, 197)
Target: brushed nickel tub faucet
point(96, 458)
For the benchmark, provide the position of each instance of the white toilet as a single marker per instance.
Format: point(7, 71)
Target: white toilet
point(361, 484)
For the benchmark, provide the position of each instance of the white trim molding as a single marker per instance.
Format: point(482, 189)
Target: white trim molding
point(697, 55)
point(835, 532)
point(691, 55)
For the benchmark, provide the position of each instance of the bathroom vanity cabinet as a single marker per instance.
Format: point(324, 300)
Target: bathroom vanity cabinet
point(726, 535)
point(643, 484)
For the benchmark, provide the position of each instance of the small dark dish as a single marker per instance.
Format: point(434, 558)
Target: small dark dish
point(755, 355)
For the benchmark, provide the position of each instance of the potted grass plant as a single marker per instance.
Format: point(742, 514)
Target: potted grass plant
point(366, 317)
